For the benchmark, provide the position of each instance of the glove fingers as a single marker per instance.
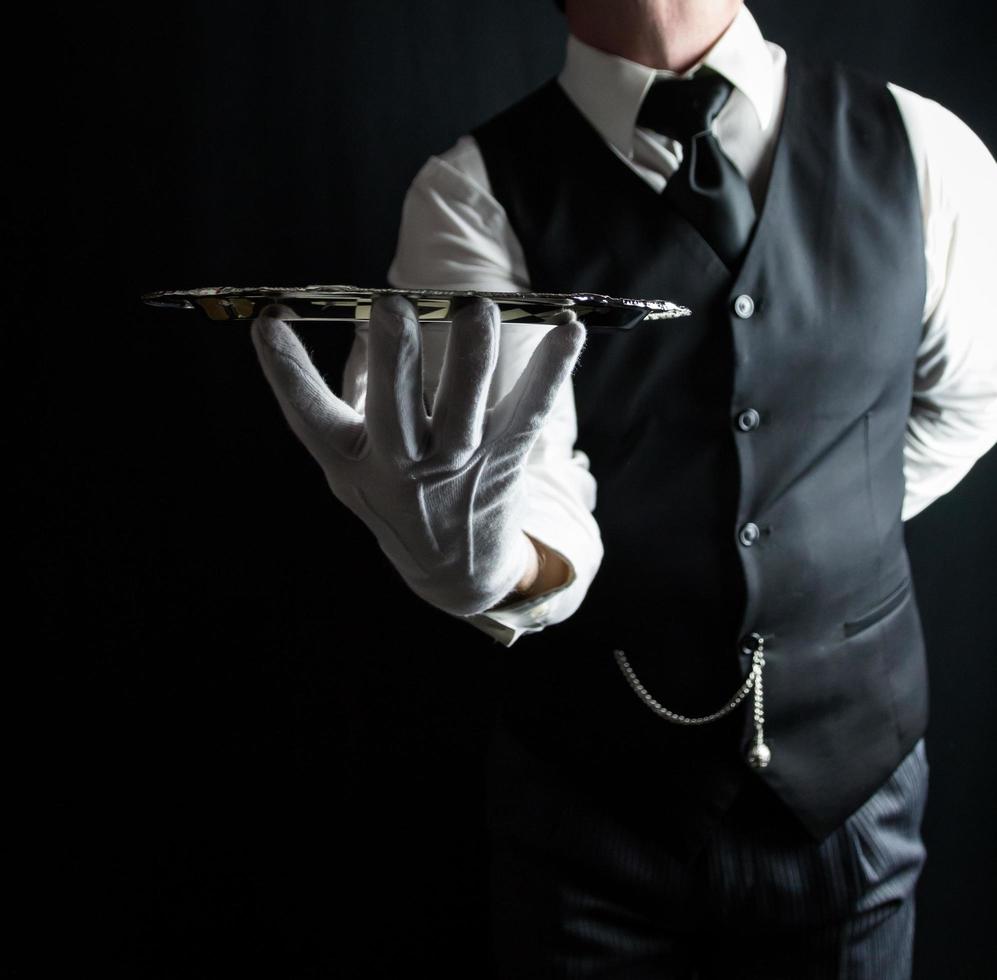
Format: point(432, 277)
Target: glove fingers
point(524, 408)
point(317, 417)
point(395, 411)
point(468, 364)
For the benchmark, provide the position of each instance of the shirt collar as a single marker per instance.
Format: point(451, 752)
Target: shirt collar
point(609, 90)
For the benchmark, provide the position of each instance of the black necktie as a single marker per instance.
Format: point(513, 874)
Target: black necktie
point(707, 189)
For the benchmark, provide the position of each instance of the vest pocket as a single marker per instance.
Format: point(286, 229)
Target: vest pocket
point(879, 611)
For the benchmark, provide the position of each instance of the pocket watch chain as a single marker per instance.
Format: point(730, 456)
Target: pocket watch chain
point(759, 754)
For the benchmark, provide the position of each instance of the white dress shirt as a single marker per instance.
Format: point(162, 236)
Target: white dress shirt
point(454, 234)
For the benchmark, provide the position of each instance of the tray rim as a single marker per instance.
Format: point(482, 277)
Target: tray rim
point(322, 291)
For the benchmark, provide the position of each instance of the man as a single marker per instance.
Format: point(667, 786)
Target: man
point(710, 757)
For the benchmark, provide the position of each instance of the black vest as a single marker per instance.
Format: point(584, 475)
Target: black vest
point(835, 274)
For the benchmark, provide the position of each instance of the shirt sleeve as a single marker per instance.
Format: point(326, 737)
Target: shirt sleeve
point(454, 234)
point(953, 417)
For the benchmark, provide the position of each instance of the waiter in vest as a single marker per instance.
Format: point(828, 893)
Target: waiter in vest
point(709, 757)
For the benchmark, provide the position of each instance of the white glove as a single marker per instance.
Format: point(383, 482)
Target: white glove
point(444, 492)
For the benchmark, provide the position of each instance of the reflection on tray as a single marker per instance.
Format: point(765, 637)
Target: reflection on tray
point(352, 304)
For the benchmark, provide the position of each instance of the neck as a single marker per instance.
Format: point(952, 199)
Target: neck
point(672, 34)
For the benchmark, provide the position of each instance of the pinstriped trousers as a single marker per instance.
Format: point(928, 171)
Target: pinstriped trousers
point(575, 893)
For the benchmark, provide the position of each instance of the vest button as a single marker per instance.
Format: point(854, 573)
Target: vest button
point(748, 534)
point(748, 420)
point(744, 306)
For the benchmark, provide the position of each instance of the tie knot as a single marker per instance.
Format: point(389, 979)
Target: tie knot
point(684, 107)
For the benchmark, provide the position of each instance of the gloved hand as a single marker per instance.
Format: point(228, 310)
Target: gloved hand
point(443, 492)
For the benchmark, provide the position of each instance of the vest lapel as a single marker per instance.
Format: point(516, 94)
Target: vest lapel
point(674, 226)
point(611, 170)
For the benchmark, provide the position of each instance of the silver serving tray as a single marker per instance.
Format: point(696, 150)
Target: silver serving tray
point(351, 304)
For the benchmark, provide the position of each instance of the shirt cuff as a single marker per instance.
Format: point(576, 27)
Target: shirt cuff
point(530, 615)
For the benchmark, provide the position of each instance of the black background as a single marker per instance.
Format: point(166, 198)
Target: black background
point(243, 745)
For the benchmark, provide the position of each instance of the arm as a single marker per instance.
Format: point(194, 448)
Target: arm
point(453, 234)
point(953, 417)
point(546, 571)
